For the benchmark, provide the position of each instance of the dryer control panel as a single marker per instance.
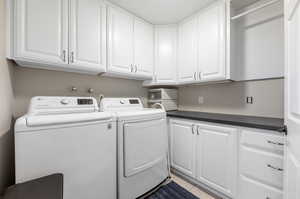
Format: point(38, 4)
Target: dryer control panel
point(117, 104)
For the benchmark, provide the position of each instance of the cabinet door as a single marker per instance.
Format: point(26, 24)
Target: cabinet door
point(217, 157)
point(187, 60)
point(88, 35)
point(120, 41)
point(143, 48)
point(211, 43)
point(165, 54)
point(183, 147)
point(41, 31)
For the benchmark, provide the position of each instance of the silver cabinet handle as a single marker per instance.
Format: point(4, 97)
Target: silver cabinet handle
point(64, 55)
point(72, 57)
point(131, 68)
point(193, 129)
point(275, 143)
point(136, 68)
point(195, 75)
point(275, 168)
point(198, 133)
point(200, 75)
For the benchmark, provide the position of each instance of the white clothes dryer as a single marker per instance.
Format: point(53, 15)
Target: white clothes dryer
point(142, 146)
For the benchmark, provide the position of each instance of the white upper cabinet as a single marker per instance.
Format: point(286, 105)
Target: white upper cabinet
point(143, 48)
point(211, 43)
point(165, 54)
point(60, 35)
point(187, 51)
point(88, 34)
point(120, 41)
point(41, 31)
point(202, 45)
point(130, 45)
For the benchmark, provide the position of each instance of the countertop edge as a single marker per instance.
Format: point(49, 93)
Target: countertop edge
point(280, 129)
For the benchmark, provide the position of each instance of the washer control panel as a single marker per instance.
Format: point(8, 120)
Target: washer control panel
point(63, 104)
point(85, 101)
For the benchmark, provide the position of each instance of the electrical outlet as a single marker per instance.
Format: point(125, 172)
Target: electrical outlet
point(201, 100)
point(249, 100)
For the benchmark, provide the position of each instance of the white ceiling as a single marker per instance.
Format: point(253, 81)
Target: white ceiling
point(162, 11)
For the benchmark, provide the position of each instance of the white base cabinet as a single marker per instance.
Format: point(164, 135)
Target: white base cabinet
point(260, 164)
point(206, 152)
point(237, 162)
point(183, 147)
point(216, 157)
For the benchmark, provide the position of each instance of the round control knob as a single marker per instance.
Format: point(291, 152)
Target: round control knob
point(122, 101)
point(64, 101)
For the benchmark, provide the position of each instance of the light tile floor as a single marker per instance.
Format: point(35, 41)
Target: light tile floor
point(191, 188)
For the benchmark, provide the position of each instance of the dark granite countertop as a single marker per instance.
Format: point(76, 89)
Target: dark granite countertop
point(274, 124)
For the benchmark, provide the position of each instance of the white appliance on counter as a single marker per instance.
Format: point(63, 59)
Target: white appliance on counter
point(68, 135)
point(142, 146)
point(166, 97)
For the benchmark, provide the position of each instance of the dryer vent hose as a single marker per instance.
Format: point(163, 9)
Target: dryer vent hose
point(158, 106)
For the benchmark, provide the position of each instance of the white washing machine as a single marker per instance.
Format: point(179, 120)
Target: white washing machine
point(68, 135)
point(142, 146)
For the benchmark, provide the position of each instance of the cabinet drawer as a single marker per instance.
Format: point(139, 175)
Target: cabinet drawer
point(263, 140)
point(250, 189)
point(262, 166)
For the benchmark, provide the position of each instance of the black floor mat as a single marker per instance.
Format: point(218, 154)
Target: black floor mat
point(171, 191)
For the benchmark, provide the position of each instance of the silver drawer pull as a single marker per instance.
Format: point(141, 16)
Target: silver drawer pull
point(64, 55)
point(72, 57)
point(275, 143)
point(275, 168)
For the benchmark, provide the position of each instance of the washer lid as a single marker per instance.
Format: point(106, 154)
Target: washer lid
point(46, 120)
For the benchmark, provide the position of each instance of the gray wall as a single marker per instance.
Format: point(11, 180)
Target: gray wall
point(6, 103)
point(231, 98)
point(33, 82)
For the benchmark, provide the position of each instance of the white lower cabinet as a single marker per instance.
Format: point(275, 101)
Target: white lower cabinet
point(260, 164)
point(237, 162)
point(183, 147)
point(206, 153)
point(216, 157)
point(250, 189)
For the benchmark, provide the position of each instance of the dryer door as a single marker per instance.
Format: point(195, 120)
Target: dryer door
point(145, 144)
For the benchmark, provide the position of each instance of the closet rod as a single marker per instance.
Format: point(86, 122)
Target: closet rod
point(254, 9)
